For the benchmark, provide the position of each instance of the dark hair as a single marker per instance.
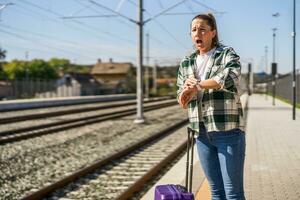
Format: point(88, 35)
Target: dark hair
point(211, 21)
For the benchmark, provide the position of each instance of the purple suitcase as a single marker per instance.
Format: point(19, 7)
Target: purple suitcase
point(172, 192)
point(178, 192)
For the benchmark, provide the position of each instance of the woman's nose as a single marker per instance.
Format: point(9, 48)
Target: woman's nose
point(198, 32)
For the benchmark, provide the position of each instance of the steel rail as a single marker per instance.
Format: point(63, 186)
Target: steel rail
point(101, 163)
point(21, 118)
point(18, 134)
point(89, 101)
point(135, 187)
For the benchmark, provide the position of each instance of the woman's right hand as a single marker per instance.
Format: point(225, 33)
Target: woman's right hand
point(186, 96)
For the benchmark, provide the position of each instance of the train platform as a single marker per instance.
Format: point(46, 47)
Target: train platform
point(272, 163)
point(60, 101)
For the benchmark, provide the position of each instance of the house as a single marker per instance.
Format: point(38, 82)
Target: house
point(5, 89)
point(116, 77)
point(166, 81)
point(78, 84)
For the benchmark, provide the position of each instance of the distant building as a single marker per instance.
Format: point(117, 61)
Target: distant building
point(5, 89)
point(115, 77)
point(78, 84)
point(166, 81)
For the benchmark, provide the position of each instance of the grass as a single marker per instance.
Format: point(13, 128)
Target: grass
point(284, 100)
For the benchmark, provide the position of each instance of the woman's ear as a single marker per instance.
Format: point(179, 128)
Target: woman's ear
point(214, 33)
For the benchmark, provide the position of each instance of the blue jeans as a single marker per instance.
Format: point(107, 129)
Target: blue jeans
point(222, 156)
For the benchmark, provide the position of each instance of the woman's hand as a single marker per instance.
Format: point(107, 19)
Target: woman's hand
point(190, 83)
point(186, 96)
point(193, 84)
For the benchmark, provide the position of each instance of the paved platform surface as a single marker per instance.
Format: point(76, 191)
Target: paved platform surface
point(176, 175)
point(272, 168)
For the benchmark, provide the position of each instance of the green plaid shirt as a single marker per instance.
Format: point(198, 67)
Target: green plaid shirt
point(220, 109)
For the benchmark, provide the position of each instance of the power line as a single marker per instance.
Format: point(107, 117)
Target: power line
point(160, 4)
point(89, 16)
point(48, 36)
point(164, 11)
point(27, 49)
point(78, 22)
point(36, 42)
point(111, 10)
point(92, 8)
point(71, 43)
point(205, 6)
point(189, 6)
point(120, 5)
point(170, 34)
point(151, 18)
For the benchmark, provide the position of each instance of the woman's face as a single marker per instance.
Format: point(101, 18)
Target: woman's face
point(202, 35)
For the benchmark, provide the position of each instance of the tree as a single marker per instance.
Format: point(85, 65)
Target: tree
point(41, 69)
point(2, 54)
point(2, 57)
point(36, 69)
point(14, 69)
point(59, 63)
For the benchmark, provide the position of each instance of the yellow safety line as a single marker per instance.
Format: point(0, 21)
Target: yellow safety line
point(204, 191)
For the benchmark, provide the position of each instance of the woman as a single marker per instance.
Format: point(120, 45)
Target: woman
point(208, 84)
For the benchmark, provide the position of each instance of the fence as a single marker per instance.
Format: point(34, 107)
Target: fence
point(19, 89)
point(284, 87)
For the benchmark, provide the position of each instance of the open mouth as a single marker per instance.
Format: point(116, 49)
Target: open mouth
point(198, 41)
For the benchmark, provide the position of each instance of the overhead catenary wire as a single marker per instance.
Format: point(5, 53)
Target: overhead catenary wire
point(123, 22)
point(96, 29)
point(171, 34)
point(151, 18)
point(38, 42)
point(72, 44)
point(111, 10)
point(204, 5)
point(160, 4)
point(164, 11)
point(119, 5)
point(189, 6)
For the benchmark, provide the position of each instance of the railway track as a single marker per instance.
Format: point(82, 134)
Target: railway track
point(22, 133)
point(67, 110)
point(120, 175)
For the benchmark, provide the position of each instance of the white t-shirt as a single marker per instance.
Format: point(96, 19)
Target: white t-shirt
point(201, 64)
point(201, 69)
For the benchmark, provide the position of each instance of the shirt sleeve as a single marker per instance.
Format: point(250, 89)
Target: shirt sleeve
point(180, 80)
point(230, 75)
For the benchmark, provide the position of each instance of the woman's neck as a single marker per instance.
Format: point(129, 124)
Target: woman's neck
point(204, 51)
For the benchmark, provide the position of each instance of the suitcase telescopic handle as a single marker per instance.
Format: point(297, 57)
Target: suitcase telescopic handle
point(189, 161)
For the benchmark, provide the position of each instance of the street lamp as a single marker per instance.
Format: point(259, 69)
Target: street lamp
point(274, 67)
point(267, 71)
point(274, 64)
point(294, 59)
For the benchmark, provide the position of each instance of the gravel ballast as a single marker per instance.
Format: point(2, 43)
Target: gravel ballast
point(30, 164)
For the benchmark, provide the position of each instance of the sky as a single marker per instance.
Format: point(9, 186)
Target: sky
point(84, 31)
